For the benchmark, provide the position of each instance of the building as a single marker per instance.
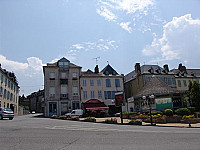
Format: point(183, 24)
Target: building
point(61, 87)
point(100, 88)
point(183, 76)
point(36, 101)
point(9, 90)
point(149, 80)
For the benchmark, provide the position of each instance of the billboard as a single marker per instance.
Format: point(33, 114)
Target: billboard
point(163, 103)
point(119, 98)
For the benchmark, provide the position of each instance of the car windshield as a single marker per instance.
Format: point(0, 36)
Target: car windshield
point(7, 109)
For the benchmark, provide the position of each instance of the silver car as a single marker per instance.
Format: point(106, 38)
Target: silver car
point(6, 113)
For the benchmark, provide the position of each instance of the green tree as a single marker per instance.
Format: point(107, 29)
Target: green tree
point(194, 94)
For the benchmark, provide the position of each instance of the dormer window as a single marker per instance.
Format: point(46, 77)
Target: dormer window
point(114, 73)
point(193, 74)
point(106, 73)
point(151, 70)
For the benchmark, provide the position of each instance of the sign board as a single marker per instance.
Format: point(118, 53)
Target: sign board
point(163, 103)
point(130, 100)
point(119, 99)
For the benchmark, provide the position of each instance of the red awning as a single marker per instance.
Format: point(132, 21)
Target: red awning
point(97, 108)
point(94, 105)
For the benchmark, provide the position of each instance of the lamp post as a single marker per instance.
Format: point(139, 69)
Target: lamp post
point(149, 99)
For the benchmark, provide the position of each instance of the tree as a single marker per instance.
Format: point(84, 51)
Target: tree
point(194, 94)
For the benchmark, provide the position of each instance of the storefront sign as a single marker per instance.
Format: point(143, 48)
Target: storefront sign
point(119, 99)
point(163, 103)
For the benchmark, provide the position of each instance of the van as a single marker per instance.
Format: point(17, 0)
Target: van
point(77, 112)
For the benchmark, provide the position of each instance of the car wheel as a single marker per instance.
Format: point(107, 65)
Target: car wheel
point(10, 118)
point(1, 117)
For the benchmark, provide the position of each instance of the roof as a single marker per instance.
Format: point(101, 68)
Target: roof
point(187, 73)
point(157, 87)
point(94, 104)
point(147, 69)
point(108, 70)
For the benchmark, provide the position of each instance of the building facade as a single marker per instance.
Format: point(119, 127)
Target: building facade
point(149, 80)
point(61, 86)
point(183, 76)
point(9, 90)
point(101, 86)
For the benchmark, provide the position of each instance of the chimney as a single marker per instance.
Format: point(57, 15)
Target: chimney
point(166, 67)
point(181, 68)
point(137, 68)
point(96, 69)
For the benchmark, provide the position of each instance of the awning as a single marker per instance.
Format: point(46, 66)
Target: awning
point(97, 108)
point(94, 105)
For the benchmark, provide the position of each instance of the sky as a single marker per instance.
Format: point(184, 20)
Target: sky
point(119, 32)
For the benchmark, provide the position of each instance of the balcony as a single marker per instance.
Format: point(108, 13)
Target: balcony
point(63, 96)
point(63, 81)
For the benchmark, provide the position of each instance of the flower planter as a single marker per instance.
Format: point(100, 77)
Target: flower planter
point(173, 119)
point(187, 121)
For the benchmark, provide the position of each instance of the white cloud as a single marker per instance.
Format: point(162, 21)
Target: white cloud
point(180, 41)
point(126, 12)
point(125, 26)
point(29, 74)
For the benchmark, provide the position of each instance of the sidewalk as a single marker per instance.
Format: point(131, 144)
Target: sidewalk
point(125, 121)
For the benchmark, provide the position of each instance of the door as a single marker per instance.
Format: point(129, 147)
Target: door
point(52, 108)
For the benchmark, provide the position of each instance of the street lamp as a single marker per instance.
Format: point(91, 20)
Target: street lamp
point(149, 99)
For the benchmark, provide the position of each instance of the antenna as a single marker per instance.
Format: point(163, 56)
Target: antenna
point(97, 59)
point(108, 62)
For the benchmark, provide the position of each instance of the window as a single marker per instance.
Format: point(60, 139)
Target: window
point(179, 83)
point(1, 78)
point(4, 93)
point(75, 105)
point(52, 91)
point(117, 83)
point(98, 82)
point(63, 92)
point(1, 91)
point(92, 94)
point(52, 75)
point(84, 94)
point(0, 104)
point(6, 81)
point(91, 82)
point(99, 94)
point(63, 64)
point(184, 83)
point(74, 75)
point(11, 96)
point(11, 86)
point(75, 90)
point(108, 83)
point(8, 95)
point(63, 75)
point(109, 94)
point(84, 83)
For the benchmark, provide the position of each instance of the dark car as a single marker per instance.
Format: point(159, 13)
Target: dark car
point(6, 113)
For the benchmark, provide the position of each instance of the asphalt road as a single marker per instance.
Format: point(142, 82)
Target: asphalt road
point(33, 133)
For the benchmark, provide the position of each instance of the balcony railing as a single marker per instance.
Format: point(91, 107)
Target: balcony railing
point(63, 81)
point(64, 96)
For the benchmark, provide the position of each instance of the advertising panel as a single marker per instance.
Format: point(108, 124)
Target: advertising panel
point(163, 103)
point(119, 99)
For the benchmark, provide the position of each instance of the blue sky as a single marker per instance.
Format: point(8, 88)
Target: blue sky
point(122, 32)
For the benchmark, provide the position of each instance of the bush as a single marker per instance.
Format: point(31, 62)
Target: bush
point(54, 117)
point(192, 109)
point(90, 119)
point(74, 118)
point(168, 112)
point(111, 121)
point(136, 122)
point(156, 112)
point(183, 111)
point(62, 117)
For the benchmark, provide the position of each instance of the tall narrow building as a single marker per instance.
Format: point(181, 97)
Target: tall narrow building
point(61, 86)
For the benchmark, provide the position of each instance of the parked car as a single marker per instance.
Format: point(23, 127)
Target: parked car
point(6, 113)
point(77, 112)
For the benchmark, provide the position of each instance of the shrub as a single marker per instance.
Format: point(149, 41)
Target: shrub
point(136, 122)
point(62, 117)
point(54, 117)
point(185, 117)
point(192, 109)
point(90, 119)
point(74, 118)
point(168, 112)
point(183, 111)
point(156, 112)
point(111, 121)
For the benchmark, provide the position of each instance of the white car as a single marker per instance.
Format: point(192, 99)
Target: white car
point(76, 112)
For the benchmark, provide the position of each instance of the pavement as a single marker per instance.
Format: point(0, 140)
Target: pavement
point(125, 121)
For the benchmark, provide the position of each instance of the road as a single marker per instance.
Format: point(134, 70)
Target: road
point(34, 133)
